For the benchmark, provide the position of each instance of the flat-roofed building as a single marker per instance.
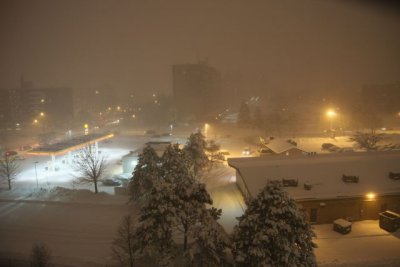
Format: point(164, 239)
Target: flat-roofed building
point(316, 182)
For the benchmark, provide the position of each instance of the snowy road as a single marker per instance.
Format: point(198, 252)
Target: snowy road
point(220, 182)
point(83, 242)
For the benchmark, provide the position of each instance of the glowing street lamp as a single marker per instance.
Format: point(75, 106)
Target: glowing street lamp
point(370, 196)
point(41, 114)
point(86, 126)
point(35, 121)
point(331, 114)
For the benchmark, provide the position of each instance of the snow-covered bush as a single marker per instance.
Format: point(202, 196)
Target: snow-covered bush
point(273, 232)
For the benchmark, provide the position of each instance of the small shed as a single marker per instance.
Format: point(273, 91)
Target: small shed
point(342, 226)
point(389, 221)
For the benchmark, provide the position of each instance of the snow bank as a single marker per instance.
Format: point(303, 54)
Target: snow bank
point(61, 194)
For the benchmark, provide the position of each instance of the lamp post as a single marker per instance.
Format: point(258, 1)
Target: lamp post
point(37, 183)
point(331, 114)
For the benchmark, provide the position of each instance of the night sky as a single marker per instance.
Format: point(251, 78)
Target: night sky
point(131, 45)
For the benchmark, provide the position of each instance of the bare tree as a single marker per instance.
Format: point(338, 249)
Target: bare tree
point(40, 255)
point(124, 244)
point(91, 166)
point(9, 168)
point(368, 141)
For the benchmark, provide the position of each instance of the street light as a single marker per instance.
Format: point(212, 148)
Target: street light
point(86, 126)
point(41, 114)
point(370, 196)
point(37, 183)
point(331, 114)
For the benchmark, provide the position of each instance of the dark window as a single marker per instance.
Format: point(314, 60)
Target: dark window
point(313, 215)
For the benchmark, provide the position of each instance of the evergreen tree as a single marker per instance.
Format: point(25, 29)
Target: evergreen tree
point(244, 118)
point(175, 164)
point(176, 203)
point(273, 232)
point(195, 149)
point(145, 173)
point(210, 241)
point(154, 234)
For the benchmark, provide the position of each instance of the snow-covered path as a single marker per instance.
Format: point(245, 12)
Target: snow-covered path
point(220, 182)
point(79, 234)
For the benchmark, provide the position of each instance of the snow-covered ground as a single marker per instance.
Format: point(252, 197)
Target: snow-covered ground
point(79, 226)
point(366, 245)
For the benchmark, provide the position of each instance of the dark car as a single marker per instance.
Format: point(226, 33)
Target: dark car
point(111, 182)
point(330, 147)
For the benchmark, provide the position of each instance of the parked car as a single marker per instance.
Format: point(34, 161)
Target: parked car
point(330, 147)
point(394, 175)
point(350, 178)
point(111, 182)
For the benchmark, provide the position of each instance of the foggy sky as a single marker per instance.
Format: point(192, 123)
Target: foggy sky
point(131, 45)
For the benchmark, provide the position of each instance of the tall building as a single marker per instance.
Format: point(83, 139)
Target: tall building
point(24, 105)
point(196, 90)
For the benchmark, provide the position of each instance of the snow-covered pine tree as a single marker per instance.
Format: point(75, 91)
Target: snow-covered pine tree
point(273, 232)
point(175, 164)
point(195, 149)
point(210, 241)
point(146, 172)
point(191, 196)
point(156, 220)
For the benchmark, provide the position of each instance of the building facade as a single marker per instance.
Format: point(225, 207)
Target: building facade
point(196, 90)
point(28, 105)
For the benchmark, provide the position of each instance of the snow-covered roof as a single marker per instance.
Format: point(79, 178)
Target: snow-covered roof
point(324, 173)
point(279, 146)
point(342, 222)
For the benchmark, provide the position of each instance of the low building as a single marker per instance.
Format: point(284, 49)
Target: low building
point(317, 183)
point(281, 147)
